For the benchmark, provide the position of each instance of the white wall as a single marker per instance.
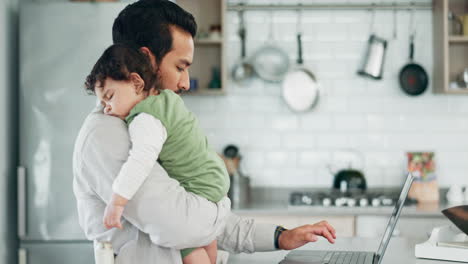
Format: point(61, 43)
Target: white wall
point(8, 154)
point(282, 148)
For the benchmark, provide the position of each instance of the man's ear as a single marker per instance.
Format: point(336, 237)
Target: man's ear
point(150, 55)
point(138, 82)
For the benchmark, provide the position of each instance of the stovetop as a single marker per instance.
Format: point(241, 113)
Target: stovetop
point(348, 199)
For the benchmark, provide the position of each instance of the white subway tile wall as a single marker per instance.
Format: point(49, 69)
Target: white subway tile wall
point(287, 149)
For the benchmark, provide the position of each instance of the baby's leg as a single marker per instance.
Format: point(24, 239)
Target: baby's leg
point(212, 251)
point(197, 256)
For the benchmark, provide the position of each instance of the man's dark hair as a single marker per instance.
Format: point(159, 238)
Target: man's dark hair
point(147, 23)
point(117, 62)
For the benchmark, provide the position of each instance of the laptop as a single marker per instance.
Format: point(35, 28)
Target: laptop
point(353, 257)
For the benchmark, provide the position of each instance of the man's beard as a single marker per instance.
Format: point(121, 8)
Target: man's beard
point(159, 84)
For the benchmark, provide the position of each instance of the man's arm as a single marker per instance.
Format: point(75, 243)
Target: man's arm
point(247, 236)
point(161, 208)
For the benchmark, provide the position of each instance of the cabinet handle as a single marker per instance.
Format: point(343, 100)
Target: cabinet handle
point(22, 256)
point(21, 176)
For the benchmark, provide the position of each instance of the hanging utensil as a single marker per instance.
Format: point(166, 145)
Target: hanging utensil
point(413, 77)
point(395, 35)
point(243, 70)
point(270, 62)
point(373, 61)
point(300, 87)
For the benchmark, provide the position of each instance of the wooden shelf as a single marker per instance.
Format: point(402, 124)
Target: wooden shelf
point(208, 41)
point(450, 51)
point(207, 91)
point(458, 39)
point(457, 91)
point(209, 53)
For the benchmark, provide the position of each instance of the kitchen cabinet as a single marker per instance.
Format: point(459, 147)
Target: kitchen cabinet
point(208, 71)
point(450, 50)
point(416, 227)
point(344, 225)
point(411, 227)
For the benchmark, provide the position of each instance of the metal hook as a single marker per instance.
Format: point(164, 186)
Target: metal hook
point(412, 27)
point(270, 32)
point(394, 21)
point(372, 26)
point(299, 19)
point(241, 16)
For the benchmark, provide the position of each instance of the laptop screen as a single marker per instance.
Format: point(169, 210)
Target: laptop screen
point(393, 219)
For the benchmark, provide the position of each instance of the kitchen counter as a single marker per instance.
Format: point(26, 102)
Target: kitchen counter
point(275, 201)
point(400, 250)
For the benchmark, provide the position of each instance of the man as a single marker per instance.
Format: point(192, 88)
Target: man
point(162, 217)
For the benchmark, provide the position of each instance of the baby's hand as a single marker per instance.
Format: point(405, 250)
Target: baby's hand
point(112, 216)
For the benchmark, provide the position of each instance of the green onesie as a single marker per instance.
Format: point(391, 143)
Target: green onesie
point(185, 155)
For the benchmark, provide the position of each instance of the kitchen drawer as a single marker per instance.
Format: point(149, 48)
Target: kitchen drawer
point(344, 225)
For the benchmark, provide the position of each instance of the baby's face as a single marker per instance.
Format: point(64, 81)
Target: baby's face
point(118, 97)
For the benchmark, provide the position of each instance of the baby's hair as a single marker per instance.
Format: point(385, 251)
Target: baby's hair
point(118, 62)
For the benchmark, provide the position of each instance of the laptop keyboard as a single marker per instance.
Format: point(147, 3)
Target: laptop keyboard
point(344, 257)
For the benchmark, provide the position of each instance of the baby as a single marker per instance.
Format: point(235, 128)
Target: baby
point(161, 130)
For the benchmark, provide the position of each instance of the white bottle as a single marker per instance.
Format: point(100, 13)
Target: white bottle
point(103, 253)
point(455, 195)
point(466, 194)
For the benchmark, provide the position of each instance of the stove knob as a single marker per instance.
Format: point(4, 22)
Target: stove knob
point(306, 200)
point(340, 201)
point(387, 201)
point(363, 202)
point(375, 202)
point(326, 201)
point(351, 202)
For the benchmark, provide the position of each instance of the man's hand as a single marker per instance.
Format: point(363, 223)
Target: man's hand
point(299, 236)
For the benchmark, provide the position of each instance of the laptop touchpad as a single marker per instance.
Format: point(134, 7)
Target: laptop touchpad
point(303, 257)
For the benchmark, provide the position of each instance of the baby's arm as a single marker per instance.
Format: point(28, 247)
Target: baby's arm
point(147, 135)
point(114, 211)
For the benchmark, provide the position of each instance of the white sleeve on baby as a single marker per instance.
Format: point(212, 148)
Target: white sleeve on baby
point(147, 135)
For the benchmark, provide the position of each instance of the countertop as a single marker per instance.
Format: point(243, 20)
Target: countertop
point(400, 250)
point(275, 201)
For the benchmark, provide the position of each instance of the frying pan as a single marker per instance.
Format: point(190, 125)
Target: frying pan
point(413, 77)
point(300, 87)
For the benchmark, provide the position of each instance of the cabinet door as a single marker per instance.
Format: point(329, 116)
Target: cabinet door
point(344, 225)
point(409, 227)
point(420, 227)
point(56, 253)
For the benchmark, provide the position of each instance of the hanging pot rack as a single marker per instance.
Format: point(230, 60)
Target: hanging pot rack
point(335, 6)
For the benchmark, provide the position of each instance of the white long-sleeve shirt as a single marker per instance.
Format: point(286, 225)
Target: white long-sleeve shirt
point(162, 216)
point(147, 135)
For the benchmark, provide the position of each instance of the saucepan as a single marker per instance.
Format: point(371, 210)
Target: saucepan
point(373, 61)
point(300, 87)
